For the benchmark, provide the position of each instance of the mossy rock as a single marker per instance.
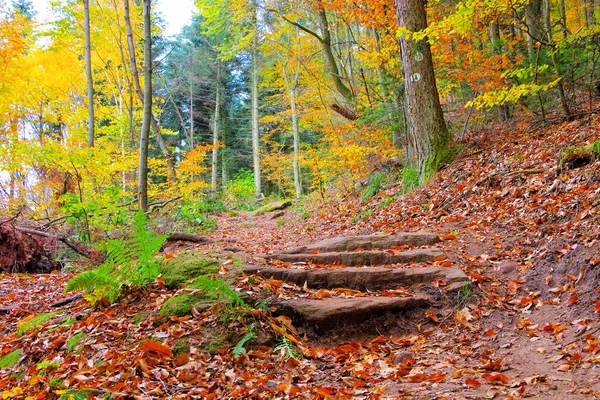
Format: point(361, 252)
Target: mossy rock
point(275, 206)
point(578, 156)
point(182, 304)
point(186, 266)
point(11, 359)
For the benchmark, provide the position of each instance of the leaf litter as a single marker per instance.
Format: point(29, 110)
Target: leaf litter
point(525, 234)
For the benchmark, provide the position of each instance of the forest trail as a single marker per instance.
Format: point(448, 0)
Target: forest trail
point(526, 326)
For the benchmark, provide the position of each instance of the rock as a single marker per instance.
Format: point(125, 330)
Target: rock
point(401, 356)
point(275, 206)
point(362, 257)
point(507, 267)
point(366, 278)
point(186, 266)
point(328, 313)
point(367, 242)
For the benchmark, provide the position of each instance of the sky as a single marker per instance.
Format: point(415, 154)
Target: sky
point(177, 13)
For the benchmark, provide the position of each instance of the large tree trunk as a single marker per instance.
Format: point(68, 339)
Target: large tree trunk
point(164, 149)
point(88, 72)
point(216, 118)
point(428, 139)
point(143, 168)
point(255, 136)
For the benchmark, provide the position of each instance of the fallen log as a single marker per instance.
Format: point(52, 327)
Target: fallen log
point(192, 237)
point(78, 248)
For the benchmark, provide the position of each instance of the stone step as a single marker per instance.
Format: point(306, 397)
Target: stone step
point(325, 314)
point(363, 278)
point(361, 257)
point(367, 242)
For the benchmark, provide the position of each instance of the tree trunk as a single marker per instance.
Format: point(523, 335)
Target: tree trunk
point(392, 107)
point(191, 108)
point(534, 28)
point(88, 72)
point(428, 139)
point(143, 168)
point(217, 117)
point(548, 38)
point(255, 136)
point(164, 149)
point(291, 85)
point(563, 18)
point(334, 71)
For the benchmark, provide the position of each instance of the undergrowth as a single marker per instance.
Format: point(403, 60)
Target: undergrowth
point(130, 262)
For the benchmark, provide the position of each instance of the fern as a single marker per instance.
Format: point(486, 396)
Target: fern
point(129, 262)
point(287, 349)
point(239, 348)
point(219, 290)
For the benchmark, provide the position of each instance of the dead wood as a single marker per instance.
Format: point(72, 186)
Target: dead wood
point(66, 300)
point(192, 237)
point(78, 248)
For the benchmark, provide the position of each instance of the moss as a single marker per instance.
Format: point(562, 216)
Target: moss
point(181, 346)
point(269, 207)
point(74, 341)
point(56, 383)
point(185, 266)
point(577, 156)
point(140, 317)
point(11, 359)
point(182, 304)
point(216, 343)
point(68, 322)
point(78, 394)
point(443, 152)
point(28, 324)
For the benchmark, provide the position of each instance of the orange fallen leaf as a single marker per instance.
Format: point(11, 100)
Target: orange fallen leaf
point(282, 387)
point(496, 377)
point(432, 316)
point(490, 332)
point(152, 346)
point(182, 359)
point(472, 382)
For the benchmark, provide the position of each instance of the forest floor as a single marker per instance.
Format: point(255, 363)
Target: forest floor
point(525, 233)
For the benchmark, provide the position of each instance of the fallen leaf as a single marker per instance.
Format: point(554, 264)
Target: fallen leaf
point(153, 346)
point(472, 382)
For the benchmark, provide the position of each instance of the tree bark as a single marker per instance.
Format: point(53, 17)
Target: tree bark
point(255, 133)
point(291, 85)
point(216, 118)
point(164, 149)
point(563, 18)
point(428, 140)
point(534, 27)
point(334, 71)
point(143, 164)
point(88, 72)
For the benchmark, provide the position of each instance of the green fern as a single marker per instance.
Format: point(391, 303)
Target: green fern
point(239, 348)
point(287, 349)
point(219, 290)
point(129, 262)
